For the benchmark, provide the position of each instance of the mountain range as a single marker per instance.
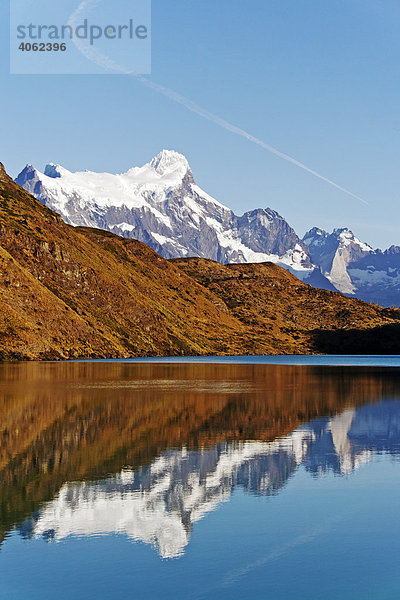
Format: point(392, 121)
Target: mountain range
point(80, 292)
point(161, 204)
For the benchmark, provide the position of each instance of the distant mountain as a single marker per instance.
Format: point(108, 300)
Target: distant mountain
point(354, 268)
point(334, 252)
point(161, 205)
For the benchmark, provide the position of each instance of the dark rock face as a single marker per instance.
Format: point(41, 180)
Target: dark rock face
point(265, 228)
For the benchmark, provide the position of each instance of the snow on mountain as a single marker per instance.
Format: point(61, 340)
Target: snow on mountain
point(333, 253)
point(161, 205)
point(376, 276)
point(354, 267)
point(159, 504)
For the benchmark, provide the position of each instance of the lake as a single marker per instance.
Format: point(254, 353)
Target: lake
point(230, 478)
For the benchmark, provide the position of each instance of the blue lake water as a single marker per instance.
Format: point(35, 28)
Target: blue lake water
point(200, 480)
point(330, 360)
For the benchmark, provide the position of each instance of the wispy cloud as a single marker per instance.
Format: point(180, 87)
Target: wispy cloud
point(105, 62)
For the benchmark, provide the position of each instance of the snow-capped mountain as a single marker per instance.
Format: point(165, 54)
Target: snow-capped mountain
point(161, 205)
point(334, 252)
point(354, 268)
point(160, 503)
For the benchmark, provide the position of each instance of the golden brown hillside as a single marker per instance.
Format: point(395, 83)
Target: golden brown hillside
point(67, 292)
point(70, 292)
point(296, 317)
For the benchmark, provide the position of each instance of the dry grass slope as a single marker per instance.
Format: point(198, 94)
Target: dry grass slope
point(296, 317)
point(67, 292)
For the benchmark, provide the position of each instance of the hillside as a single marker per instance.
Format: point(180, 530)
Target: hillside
point(70, 292)
point(295, 316)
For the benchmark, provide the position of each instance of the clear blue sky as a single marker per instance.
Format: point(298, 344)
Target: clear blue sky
point(318, 79)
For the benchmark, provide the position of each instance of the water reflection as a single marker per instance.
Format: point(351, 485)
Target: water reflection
point(160, 503)
point(180, 438)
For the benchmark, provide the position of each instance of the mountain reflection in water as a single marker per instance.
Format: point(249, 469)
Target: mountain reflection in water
point(179, 439)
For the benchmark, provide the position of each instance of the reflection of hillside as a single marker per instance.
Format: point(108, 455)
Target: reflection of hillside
point(160, 503)
point(63, 422)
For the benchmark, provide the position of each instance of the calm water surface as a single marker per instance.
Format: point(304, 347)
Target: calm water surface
point(200, 480)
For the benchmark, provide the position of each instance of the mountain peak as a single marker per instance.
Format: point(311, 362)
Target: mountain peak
point(28, 175)
point(343, 230)
point(53, 170)
point(29, 168)
point(393, 250)
point(315, 236)
point(345, 237)
point(168, 161)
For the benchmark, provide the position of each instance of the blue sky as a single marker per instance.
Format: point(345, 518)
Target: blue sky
point(317, 79)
